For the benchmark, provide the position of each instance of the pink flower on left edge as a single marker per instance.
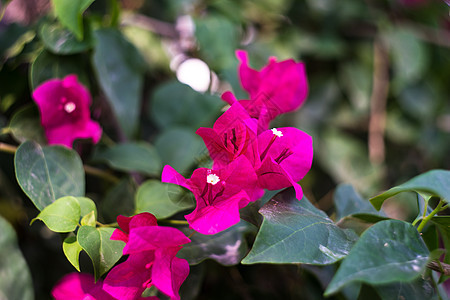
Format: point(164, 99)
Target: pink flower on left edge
point(64, 107)
point(151, 261)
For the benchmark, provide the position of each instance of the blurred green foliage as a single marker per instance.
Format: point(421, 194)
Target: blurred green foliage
point(375, 69)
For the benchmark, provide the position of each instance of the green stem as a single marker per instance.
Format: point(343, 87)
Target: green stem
point(107, 225)
point(174, 222)
point(431, 215)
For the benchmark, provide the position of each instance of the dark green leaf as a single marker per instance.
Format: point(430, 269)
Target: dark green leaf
point(432, 183)
point(62, 215)
point(295, 231)
point(389, 251)
point(69, 13)
point(418, 289)
point(443, 225)
point(359, 222)
point(119, 69)
point(60, 40)
point(177, 104)
point(161, 199)
point(26, 125)
point(103, 252)
point(140, 156)
point(15, 278)
point(48, 66)
point(48, 173)
point(72, 250)
point(227, 247)
point(347, 202)
point(180, 148)
point(119, 200)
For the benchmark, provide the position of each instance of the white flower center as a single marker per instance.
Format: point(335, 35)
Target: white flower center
point(69, 107)
point(277, 132)
point(212, 179)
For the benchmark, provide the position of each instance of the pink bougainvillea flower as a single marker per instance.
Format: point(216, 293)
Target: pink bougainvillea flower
point(64, 107)
point(232, 135)
point(286, 156)
point(279, 87)
point(219, 194)
point(151, 260)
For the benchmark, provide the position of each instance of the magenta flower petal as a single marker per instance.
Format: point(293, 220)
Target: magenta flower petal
point(233, 134)
point(128, 280)
point(170, 175)
point(286, 155)
point(80, 286)
point(169, 272)
point(127, 223)
point(148, 238)
point(64, 108)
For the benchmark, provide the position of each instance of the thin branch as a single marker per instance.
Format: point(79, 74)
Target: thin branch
point(8, 148)
point(150, 24)
point(439, 267)
point(378, 102)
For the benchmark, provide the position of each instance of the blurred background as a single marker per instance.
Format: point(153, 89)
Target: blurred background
point(378, 107)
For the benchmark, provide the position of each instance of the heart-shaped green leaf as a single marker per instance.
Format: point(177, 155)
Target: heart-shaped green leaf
point(62, 215)
point(72, 250)
point(295, 231)
point(48, 173)
point(69, 13)
point(389, 251)
point(432, 183)
point(103, 252)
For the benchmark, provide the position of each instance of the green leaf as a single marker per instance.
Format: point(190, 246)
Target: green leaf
point(295, 231)
point(418, 289)
point(48, 66)
point(346, 159)
point(180, 148)
point(103, 252)
point(89, 220)
point(443, 224)
point(119, 69)
point(15, 278)
point(409, 54)
point(48, 173)
point(347, 202)
point(177, 104)
point(389, 251)
point(69, 13)
point(161, 199)
point(140, 156)
point(227, 247)
point(359, 222)
point(432, 183)
point(59, 40)
point(72, 250)
point(62, 215)
point(87, 206)
point(26, 125)
point(119, 200)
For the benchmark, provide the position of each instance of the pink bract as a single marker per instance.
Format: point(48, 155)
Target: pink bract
point(219, 194)
point(151, 260)
point(64, 108)
point(80, 286)
point(286, 156)
point(279, 87)
point(232, 135)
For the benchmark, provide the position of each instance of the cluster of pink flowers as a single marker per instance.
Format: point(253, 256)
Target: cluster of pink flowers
point(248, 157)
point(151, 261)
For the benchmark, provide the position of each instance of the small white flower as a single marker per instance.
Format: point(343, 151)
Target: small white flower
point(277, 132)
point(69, 107)
point(212, 179)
